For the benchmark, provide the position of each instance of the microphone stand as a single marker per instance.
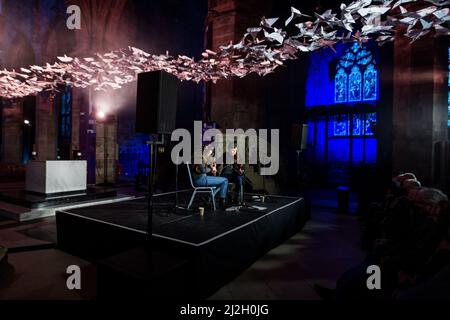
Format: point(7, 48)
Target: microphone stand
point(298, 162)
point(242, 192)
point(242, 203)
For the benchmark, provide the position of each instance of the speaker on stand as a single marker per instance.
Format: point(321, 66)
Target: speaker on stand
point(155, 115)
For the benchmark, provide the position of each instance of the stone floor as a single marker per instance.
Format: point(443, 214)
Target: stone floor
point(320, 253)
point(326, 247)
point(41, 275)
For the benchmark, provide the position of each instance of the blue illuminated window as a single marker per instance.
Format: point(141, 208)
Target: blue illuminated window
point(354, 85)
point(370, 83)
point(449, 86)
point(358, 129)
point(356, 77)
point(371, 121)
point(340, 89)
point(346, 134)
point(341, 126)
point(362, 124)
point(449, 106)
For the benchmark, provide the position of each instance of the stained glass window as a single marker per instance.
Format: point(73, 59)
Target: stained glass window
point(340, 84)
point(449, 106)
point(354, 85)
point(347, 60)
point(371, 121)
point(357, 125)
point(363, 57)
point(341, 126)
point(362, 124)
point(65, 125)
point(66, 113)
point(370, 83)
point(357, 77)
point(345, 134)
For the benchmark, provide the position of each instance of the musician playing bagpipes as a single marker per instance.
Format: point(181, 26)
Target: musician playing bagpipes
point(206, 175)
point(235, 172)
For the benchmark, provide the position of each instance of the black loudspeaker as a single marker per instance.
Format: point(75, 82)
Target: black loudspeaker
point(156, 108)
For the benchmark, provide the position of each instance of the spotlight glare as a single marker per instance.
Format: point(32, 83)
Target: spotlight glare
point(101, 115)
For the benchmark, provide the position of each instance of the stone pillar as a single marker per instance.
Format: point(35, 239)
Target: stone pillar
point(234, 102)
point(78, 99)
point(46, 128)
point(106, 147)
point(12, 133)
point(420, 132)
point(223, 26)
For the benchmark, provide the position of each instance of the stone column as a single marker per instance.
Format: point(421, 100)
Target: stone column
point(234, 102)
point(46, 128)
point(108, 145)
point(223, 25)
point(78, 99)
point(12, 132)
point(420, 132)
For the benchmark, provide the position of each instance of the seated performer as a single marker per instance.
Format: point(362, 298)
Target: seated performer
point(234, 172)
point(205, 175)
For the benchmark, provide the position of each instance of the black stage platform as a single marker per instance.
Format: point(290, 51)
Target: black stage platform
point(216, 247)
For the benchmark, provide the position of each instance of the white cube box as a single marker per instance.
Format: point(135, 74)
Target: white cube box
point(49, 177)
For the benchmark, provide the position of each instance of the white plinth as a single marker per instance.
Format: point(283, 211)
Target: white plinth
point(49, 177)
